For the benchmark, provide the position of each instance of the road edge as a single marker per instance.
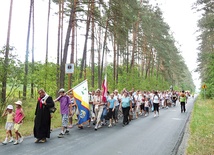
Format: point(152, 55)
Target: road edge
point(184, 142)
point(180, 146)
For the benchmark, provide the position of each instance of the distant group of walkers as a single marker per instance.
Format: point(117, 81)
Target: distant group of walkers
point(127, 104)
point(131, 104)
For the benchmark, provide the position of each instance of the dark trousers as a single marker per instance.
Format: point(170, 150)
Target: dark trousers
point(111, 114)
point(183, 106)
point(156, 107)
point(116, 111)
point(125, 115)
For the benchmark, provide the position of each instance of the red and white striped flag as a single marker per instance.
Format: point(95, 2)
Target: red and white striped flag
point(105, 89)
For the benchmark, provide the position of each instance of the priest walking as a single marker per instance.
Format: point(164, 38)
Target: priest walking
point(42, 120)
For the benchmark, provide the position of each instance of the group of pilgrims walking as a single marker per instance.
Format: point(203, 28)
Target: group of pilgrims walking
point(128, 105)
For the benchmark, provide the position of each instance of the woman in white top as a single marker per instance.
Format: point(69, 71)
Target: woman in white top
point(156, 101)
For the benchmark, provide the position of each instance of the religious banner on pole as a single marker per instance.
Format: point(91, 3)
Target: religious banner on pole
point(80, 93)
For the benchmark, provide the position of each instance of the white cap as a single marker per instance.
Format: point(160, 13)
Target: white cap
point(18, 102)
point(10, 107)
point(61, 90)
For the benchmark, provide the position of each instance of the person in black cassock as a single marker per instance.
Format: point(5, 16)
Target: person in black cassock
point(42, 120)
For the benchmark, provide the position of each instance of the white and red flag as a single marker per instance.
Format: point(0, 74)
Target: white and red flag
point(105, 89)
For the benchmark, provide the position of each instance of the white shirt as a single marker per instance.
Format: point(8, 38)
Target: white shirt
point(156, 99)
point(146, 103)
point(167, 96)
point(138, 99)
point(97, 99)
point(151, 95)
point(116, 97)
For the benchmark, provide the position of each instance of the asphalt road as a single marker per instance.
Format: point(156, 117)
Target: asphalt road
point(144, 136)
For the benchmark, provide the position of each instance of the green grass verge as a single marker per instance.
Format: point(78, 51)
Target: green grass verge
point(201, 140)
point(27, 126)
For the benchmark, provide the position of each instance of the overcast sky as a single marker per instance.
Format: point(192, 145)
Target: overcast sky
point(183, 24)
point(177, 13)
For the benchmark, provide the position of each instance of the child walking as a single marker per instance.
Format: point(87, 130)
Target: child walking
point(111, 107)
point(9, 124)
point(19, 116)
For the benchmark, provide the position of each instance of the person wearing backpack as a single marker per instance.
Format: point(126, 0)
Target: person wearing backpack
point(183, 101)
point(174, 98)
point(156, 101)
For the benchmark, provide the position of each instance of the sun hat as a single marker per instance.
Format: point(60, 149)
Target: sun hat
point(98, 90)
point(62, 90)
point(10, 107)
point(18, 103)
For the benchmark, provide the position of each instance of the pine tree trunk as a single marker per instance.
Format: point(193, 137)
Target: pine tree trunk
point(117, 65)
point(27, 54)
point(142, 65)
point(135, 32)
point(158, 68)
point(149, 63)
point(65, 52)
point(72, 42)
point(73, 32)
point(152, 63)
point(62, 30)
point(135, 29)
point(92, 43)
point(127, 56)
point(104, 46)
point(114, 62)
point(58, 48)
point(144, 56)
point(99, 57)
point(83, 61)
point(138, 60)
point(136, 26)
point(33, 30)
point(6, 59)
point(76, 61)
point(47, 40)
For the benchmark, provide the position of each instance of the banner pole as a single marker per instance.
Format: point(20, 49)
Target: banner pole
point(70, 89)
